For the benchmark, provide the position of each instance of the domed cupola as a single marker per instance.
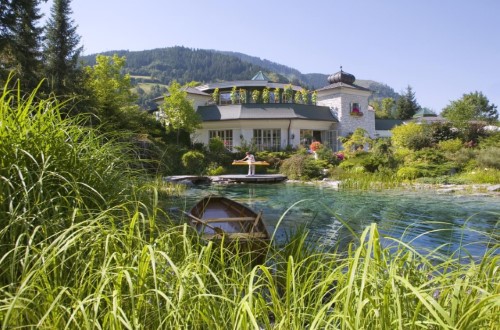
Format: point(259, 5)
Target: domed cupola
point(342, 77)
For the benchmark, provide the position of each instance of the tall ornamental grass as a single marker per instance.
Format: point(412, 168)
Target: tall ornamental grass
point(96, 275)
point(80, 249)
point(54, 171)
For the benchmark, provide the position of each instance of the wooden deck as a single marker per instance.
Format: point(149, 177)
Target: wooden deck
point(229, 178)
point(257, 178)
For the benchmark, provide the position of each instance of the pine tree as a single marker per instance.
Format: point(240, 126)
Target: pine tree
point(406, 106)
point(61, 51)
point(20, 40)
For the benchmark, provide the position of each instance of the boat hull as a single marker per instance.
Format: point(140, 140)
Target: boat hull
point(224, 220)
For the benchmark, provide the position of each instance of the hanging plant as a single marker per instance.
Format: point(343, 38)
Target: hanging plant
point(255, 96)
point(265, 95)
point(215, 96)
point(243, 96)
point(288, 93)
point(277, 95)
point(233, 96)
point(298, 97)
point(305, 96)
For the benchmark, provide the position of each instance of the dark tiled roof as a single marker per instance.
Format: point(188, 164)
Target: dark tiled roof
point(341, 84)
point(386, 124)
point(265, 111)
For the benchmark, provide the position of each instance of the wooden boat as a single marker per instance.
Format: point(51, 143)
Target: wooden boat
point(234, 225)
point(215, 217)
point(244, 162)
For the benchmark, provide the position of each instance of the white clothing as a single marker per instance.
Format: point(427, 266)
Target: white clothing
point(251, 166)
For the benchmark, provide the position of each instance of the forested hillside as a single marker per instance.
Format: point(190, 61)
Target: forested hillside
point(163, 65)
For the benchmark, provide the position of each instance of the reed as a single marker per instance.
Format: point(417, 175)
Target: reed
point(112, 272)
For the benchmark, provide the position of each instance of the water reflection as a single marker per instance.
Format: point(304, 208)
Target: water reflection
point(425, 219)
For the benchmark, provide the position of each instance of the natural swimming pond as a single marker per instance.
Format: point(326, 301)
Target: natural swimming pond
point(426, 219)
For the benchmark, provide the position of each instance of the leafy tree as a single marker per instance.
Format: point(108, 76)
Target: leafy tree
point(410, 136)
point(358, 139)
point(110, 89)
point(179, 111)
point(20, 40)
point(61, 50)
point(387, 106)
point(472, 106)
point(406, 106)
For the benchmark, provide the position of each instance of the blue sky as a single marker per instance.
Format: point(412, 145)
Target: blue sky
point(441, 48)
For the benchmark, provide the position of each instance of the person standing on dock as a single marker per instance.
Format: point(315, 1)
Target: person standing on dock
point(251, 163)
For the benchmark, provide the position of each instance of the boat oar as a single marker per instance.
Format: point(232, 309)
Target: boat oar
point(215, 229)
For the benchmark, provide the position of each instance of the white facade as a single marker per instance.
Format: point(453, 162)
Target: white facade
point(340, 108)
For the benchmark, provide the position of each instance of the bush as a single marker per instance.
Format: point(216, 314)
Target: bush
point(489, 158)
point(302, 167)
point(408, 173)
point(410, 136)
point(452, 145)
point(194, 162)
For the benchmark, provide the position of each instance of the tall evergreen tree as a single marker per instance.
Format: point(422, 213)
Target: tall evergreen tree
point(20, 40)
point(61, 50)
point(407, 105)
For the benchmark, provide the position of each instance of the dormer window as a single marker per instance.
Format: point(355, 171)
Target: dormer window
point(356, 109)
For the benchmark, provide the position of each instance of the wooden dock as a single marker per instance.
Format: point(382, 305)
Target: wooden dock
point(229, 178)
point(257, 178)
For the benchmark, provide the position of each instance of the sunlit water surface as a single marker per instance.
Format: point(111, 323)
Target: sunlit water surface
point(426, 219)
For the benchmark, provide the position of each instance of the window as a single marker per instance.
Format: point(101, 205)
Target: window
point(225, 98)
point(226, 136)
point(267, 139)
point(356, 109)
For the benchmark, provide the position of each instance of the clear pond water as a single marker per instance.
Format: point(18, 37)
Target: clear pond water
point(426, 219)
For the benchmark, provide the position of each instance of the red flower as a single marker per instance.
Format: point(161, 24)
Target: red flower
point(315, 145)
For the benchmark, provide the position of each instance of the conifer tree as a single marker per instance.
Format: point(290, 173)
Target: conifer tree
point(407, 106)
point(61, 50)
point(20, 40)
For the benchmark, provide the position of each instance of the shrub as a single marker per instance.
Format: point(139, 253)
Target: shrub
point(489, 158)
point(411, 136)
point(452, 145)
point(441, 132)
point(302, 167)
point(194, 162)
point(408, 173)
point(213, 169)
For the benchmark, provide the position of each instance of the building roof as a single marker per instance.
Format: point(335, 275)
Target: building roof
point(424, 113)
point(387, 124)
point(341, 84)
point(194, 90)
point(257, 84)
point(266, 111)
point(260, 76)
point(428, 120)
point(342, 79)
point(187, 89)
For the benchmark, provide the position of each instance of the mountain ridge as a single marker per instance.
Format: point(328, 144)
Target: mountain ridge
point(163, 65)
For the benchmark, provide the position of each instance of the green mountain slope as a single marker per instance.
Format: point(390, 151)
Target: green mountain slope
point(183, 64)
